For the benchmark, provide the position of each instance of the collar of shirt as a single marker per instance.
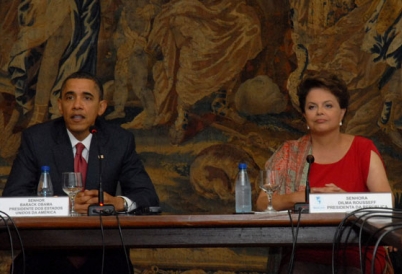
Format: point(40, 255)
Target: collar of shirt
point(86, 142)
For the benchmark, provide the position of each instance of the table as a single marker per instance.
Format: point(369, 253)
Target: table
point(252, 230)
point(383, 224)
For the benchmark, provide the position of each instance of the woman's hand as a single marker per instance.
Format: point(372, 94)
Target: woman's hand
point(328, 188)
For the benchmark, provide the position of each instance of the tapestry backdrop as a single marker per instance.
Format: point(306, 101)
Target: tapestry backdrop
point(203, 85)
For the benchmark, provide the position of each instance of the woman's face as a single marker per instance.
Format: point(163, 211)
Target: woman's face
point(322, 111)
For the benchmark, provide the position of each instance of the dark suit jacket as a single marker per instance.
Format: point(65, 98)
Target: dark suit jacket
point(48, 144)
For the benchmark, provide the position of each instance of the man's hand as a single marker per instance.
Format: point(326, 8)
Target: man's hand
point(84, 199)
point(88, 197)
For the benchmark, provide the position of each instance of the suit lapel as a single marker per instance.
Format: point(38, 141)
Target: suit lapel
point(93, 162)
point(62, 150)
point(93, 166)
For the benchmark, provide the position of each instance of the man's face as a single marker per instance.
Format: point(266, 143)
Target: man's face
point(80, 104)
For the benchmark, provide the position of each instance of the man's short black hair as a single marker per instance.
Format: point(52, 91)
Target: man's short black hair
point(84, 75)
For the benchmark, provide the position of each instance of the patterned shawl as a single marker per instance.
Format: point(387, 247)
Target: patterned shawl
point(290, 160)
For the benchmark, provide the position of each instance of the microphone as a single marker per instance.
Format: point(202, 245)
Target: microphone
point(310, 160)
point(100, 208)
point(304, 207)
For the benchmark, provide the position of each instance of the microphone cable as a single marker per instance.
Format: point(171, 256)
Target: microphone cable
point(339, 233)
point(379, 240)
point(290, 267)
point(336, 242)
point(94, 131)
point(371, 213)
point(10, 238)
point(5, 221)
point(338, 237)
point(294, 240)
point(121, 239)
point(365, 212)
point(376, 213)
point(103, 242)
point(393, 225)
point(122, 243)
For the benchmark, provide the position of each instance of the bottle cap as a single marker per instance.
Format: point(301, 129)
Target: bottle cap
point(45, 168)
point(242, 166)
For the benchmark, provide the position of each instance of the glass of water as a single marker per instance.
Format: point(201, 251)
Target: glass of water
point(72, 184)
point(270, 182)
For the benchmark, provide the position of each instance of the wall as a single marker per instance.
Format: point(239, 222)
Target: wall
point(203, 84)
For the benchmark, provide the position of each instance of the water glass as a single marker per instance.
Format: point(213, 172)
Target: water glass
point(72, 184)
point(270, 181)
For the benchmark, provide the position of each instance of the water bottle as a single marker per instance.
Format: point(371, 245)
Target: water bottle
point(45, 187)
point(243, 190)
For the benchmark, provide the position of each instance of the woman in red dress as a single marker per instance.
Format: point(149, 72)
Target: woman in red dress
point(342, 163)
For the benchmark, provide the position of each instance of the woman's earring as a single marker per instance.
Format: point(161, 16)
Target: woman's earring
point(340, 123)
point(308, 127)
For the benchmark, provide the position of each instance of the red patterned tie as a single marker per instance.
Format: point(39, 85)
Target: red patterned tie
point(80, 165)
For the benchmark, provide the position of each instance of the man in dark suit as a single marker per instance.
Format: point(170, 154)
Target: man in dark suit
point(53, 144)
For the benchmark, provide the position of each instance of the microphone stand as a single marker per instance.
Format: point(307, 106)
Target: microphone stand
point(305, 207)
point(100, 208)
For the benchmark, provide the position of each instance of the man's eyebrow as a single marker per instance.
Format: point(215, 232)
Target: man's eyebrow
point(87, 93)
point(69, 93)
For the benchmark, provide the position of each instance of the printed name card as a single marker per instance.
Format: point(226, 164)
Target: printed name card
point(348, 202)
point(35, 206)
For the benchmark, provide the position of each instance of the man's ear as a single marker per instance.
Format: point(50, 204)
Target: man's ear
point(102, 107)
point(59, 106)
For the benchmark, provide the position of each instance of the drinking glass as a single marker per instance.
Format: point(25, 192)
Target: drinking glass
point(269, 181)
point(72, 184)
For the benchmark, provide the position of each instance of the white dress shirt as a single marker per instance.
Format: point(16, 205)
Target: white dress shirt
point(85, 153)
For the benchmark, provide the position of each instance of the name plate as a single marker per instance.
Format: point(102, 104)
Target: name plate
point(348, 202)
point(35, 206)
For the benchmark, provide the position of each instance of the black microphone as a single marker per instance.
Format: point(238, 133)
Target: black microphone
point(100, 208)
point(304, 207)
point(310, 160)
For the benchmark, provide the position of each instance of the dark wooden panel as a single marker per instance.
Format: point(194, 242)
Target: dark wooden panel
point(173, 231)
